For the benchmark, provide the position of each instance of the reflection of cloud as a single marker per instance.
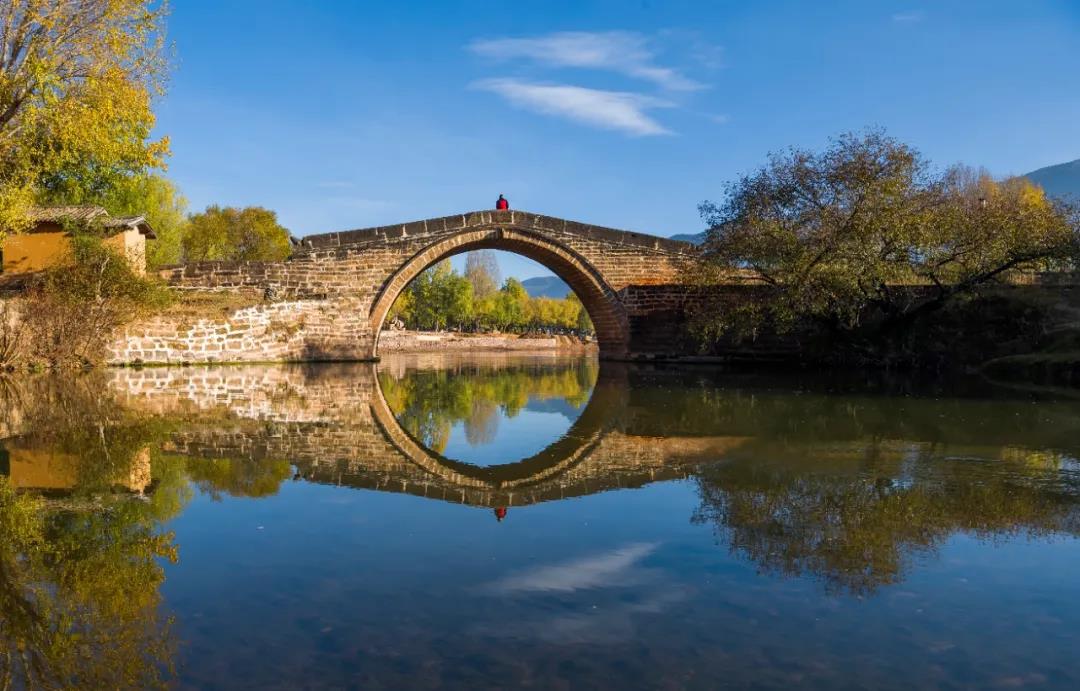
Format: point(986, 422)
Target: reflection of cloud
point(616, 567)
point(603, 624)
point(615, 110)
point(624, 52)
point(599, 621)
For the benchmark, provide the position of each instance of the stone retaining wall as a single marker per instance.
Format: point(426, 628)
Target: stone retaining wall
point(296, 331)
point(285, 332)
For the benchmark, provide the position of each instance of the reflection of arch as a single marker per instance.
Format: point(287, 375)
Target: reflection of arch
point(599, 300)
point(565, 453)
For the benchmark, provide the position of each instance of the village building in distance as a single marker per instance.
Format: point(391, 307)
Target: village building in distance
point(47, 242)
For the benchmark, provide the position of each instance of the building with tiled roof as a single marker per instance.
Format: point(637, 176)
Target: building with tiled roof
point(47, 242)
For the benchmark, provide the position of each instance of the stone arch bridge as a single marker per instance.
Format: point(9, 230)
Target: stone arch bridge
point(329, 301)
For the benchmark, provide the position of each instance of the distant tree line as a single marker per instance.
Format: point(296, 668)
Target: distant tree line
point(440, 298)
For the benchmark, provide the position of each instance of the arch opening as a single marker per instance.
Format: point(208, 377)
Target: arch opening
point(597, 298)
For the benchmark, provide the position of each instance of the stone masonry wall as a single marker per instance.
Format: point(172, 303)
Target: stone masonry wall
point(291, 331)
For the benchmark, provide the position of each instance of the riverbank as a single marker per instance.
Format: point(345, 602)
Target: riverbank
point(426, 342)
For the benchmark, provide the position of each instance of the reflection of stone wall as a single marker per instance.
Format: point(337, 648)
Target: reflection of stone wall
point(328, 394)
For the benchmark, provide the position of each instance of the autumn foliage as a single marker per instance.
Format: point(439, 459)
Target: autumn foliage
point(77, 83)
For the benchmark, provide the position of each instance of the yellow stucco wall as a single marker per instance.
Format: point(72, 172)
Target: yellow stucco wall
point(131, 244)
point(25, 252)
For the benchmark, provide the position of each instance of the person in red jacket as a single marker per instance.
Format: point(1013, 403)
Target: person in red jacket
point(501, 204)
point(500, 514)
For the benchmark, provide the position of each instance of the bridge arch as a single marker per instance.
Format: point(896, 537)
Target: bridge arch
point(597, 297)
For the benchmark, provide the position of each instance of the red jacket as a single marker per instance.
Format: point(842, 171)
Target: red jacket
point(502, 204)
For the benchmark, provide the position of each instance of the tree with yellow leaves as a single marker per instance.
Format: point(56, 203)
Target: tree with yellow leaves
point(863, 239)
point(77, 83)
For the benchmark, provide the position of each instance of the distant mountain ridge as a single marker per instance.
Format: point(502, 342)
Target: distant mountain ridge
point(1062, 180)
point(692, 238)
point(546, 287)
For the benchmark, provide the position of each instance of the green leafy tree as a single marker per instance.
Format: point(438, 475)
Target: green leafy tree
point(152, 196)
point(77, 82)
point(511, 305)
point(582, 322)
point(227, 233)
point(439, 297)
point(864, 238)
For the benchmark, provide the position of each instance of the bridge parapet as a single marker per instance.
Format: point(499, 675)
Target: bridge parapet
point(476, 219)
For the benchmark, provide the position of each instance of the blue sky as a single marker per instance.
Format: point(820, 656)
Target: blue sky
point(626, 113)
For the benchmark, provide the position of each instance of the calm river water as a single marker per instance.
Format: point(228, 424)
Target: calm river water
point(535, 521)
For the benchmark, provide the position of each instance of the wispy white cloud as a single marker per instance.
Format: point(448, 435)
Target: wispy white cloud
point(614, 110)
point(912, 17)
point(599, 571)
point(623, 52)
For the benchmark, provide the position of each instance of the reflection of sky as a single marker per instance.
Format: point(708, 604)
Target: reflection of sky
point(323, 586)
point(527, 433)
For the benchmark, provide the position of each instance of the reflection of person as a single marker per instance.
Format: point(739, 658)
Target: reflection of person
point(501, 204)
point(500, 513)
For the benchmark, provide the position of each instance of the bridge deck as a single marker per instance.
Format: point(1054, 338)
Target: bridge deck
point(512, 218)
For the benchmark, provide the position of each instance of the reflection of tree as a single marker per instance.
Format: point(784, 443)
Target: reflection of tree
point(79, 596)
point(80, 573)
point(427, 403)
point(483, 423)
point(240, 477)
point(861, 528)
point(687, 403)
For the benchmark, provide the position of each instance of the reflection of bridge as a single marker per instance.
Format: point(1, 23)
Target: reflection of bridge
point(335, 426)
